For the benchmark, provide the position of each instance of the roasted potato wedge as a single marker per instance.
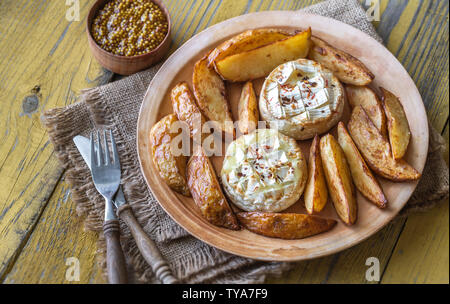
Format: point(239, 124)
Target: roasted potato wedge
point(368, 99)
point(339, 179)
point(184, 106)
point(284, 225)
point(210, 93)
point(248, 113)
point(206, 191)
point(363, 178)
point(376, 149)
point(246, 41)
point(398, 126)
point(316, 193)
point(171, 168)
point(261, 61)
point(346, 67)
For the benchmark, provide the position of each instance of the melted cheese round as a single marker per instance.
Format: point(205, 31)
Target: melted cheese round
point(301, 98)
point(264, 171)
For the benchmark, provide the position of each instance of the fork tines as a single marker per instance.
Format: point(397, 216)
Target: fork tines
point(103, 158)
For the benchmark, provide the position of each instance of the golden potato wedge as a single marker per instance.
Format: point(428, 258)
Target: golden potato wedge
point(261, 61)
point(398, 126)
point(206, 191)
point(184, 106)
point(248, 113)
point(285, 225)
point(344, 66)
point(368, 99)
point(376, 149)
point(316, 193)
point(171, 168)
point(339, 179)
point(210, 93)
point(246, 41)
point(363, 178)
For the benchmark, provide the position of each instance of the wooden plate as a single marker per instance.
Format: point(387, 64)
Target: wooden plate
point(389, 73)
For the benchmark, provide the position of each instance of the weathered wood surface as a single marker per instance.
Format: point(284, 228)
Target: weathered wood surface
point(38, 231)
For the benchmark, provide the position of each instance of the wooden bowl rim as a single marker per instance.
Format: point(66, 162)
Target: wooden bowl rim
point(329, 248)
point(91, 14)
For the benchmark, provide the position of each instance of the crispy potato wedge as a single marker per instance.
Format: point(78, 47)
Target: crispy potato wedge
point(206, 191)
point(246, 41)
point(285, 225)
point(368, 99)
point(346, 67)
point(248, 113)
point(171, 168)
point(339, 179)
point(376, 149)
point(398, 126)
point(210, 93)
point(316, 193)
point(184, 106)
point(363, 178)
point(261, 61)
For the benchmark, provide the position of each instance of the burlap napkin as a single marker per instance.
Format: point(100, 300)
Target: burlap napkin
point(116, 106)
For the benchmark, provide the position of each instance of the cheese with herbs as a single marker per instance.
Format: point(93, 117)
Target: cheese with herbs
point(264, 171)
point(301, 98)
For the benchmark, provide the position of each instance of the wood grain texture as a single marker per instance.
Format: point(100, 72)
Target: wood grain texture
point(45, 63)
point(405, 27)
point(59, 235)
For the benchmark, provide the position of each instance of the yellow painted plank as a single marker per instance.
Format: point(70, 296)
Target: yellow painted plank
point(348, 266)
point(420, 41)
point(58, 237)
point(422, 252)
point(45, 62)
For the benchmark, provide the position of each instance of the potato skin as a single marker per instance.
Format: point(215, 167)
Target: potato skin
point(316, 192)
point(261, 61)
point(287, 226)
point(184, 106)
point(398, 125)
point(368, 99)
point(363, 178)
point(211, 96)
point(339, 179)
point(206, 191)
point(376, 149)
point(346, 67)
point(246, 41)
point(248, 112)
point(171, 168)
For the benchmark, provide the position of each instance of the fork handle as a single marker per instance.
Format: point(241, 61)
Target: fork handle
point(147, 246)
point(115, 260)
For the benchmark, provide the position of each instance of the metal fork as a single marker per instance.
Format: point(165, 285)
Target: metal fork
point(106, 176)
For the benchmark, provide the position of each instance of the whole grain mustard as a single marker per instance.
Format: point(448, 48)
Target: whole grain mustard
point(129, 27)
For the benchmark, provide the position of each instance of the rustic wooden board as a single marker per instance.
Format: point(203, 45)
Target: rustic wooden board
point(401, 23)
point(45, 63)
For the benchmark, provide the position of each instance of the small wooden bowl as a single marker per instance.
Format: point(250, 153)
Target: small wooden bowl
point(126, 65)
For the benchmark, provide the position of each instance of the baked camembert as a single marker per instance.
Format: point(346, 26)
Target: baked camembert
point(302, 98)
point(264, 171)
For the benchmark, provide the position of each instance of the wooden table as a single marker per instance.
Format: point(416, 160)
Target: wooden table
point(45, 62)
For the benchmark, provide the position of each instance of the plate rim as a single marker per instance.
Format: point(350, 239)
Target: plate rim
point(363, 235)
